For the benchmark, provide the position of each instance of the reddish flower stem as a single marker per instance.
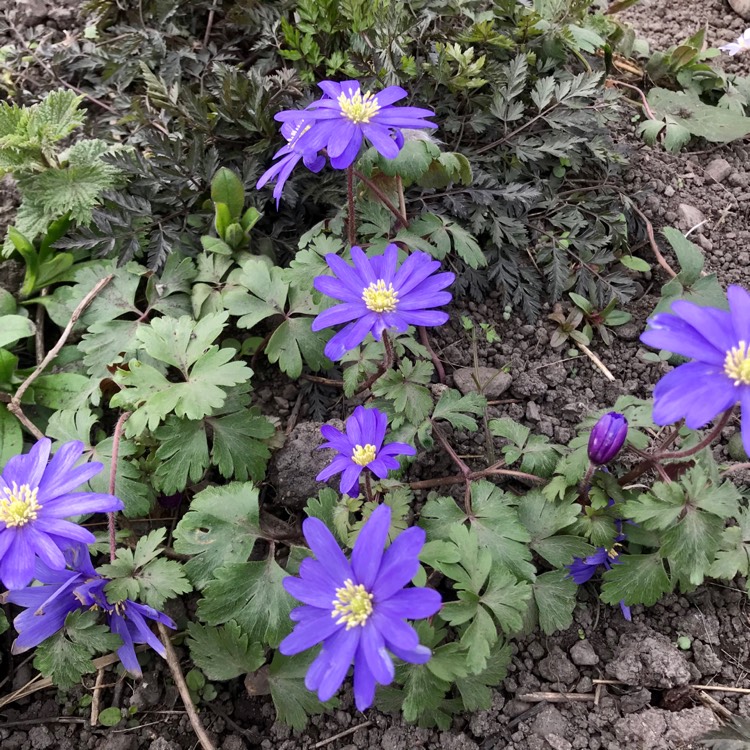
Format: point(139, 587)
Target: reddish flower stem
point(350, 224)
point(112, 479)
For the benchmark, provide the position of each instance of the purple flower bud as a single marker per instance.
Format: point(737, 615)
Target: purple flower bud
point(607, 438)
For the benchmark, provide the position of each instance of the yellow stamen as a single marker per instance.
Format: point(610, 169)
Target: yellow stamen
point(352, 605)
point(380, 298)
point(737, 364)
point(364, 454)
point(19, 506)
point(613, 553)
point(358, 108)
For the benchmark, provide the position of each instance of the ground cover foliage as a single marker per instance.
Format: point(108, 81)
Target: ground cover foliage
point(200, 282)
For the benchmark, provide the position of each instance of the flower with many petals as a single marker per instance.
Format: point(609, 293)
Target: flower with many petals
point(741, 45)
point(346, 115)
point(64, 591)
point(718, 342)
point(35, 498)
point(583, 569)
point(358, 609)
point(377, 294)
point(361, 447)
point(289, 156)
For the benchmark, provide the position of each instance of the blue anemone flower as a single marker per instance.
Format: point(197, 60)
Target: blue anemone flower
point(81, 587)
point(289, 156)
point(358, 609)
point(361, 447)
point(35, 498)
point(377, 294)
point(345, 116)
point(718, 342)
point(583, 569)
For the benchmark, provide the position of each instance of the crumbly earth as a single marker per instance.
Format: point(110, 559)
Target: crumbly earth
point(652, 707)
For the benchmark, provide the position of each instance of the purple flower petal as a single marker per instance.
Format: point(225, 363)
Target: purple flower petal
point(18, 563)
point(380, 138)
point(81, 503)
point(326, 549)
point(395, 632)
point(43, 546)
point(350, 153)
point(389, 95)
point(400, 563)
point(364, 682)
point(675, 335)
point(349, 484)
point(65, 530)
point(336, 289)
point(340, 139)
point(420, 655)
point(310, 593)
point(126, 652)
point(339, 314)
point(368, 549)
point(309, 633)
point(28, 468)
point(411, 604)
point(339, 464)
point(341, 648)
point(745, 401)
point(372, 645)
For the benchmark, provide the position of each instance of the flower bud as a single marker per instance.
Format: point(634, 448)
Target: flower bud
point(607, 438)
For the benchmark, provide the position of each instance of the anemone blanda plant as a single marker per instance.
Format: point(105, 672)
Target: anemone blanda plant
point(361, 447)
point(35, 499)
point(718, 342)
point(345, 116)
point(741, 45)
point(358, 609)
point(81, 587)
point(378, 294)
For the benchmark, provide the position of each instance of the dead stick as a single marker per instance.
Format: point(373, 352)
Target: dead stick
point(97, 699)
point(338, 736)
point(660, 259)
point(174, 667)
point(717, 688)
point(596, 361)
point(714, 705)
point(15, 403)
point(555, 697)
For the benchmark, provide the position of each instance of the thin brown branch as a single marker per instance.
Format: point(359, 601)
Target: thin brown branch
point(712, 435)
point(660, 259)
point(111, 517)
point(174, 667)
point(425, 341)
point(96, 700)
point(383, 198)
point(15, 403)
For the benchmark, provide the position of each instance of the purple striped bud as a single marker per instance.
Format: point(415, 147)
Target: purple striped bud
point(607, 438)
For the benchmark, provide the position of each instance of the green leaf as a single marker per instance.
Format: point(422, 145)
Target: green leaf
point(13, 328)
point(110, 717)
point(555, 598)
point(734, 550)
point(65, 390)
point(238, 450)
point(405, 389)
point(66, 656)
point(691, 544)
point(634, 263)
point(182, 454)
point(227, 188)
point(686, 110)
point(250, 593)
point(495, 520)
point(636, 579)
point(140, 574)
point(455, 408)
point(294, 341)
point(292, 700)
point(221, 527)
point(223, 652)
point(11, 436)
point(689, 256)
point(475, 688)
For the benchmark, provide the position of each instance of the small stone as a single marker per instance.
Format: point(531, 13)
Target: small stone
point(490, 382)
point(532, 412)
point(718, 170)
point(558, 668)
point(147, 692)
point(632, 702)
point(234, 742)
point(582, 653)
point(120, 742)
point(549, 721)
point(648, 659)
point(690, 216)
point(741, 8)
point(669, 191)
point(41, 738)
point(558, 743)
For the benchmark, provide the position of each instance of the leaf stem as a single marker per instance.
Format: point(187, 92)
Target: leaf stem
point(383, 198)
point(350, 224)
point(715, 432)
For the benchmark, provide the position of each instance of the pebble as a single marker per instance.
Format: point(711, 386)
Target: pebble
point(582, 653)
point(690, 216)
point(718, 170)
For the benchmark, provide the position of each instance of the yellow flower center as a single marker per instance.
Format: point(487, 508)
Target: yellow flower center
point(352, 605)
point(737, 364)
point(613, 553)
point(19, 506)
point(363, 454)
point(358, 108)
point(380, 298)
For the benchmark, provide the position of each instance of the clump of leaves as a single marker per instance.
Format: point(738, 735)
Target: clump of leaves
point(55, 182)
